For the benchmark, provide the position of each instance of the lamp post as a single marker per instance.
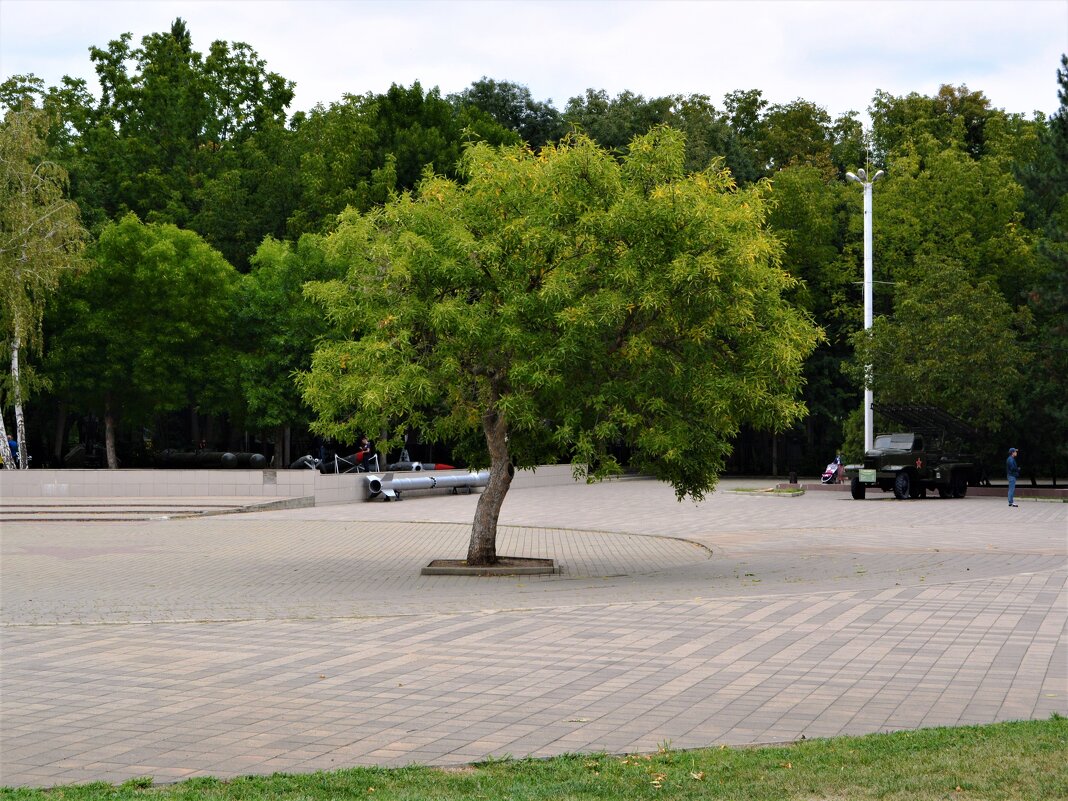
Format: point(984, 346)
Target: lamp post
point(861, 177)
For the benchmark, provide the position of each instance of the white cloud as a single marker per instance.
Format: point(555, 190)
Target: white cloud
point(835, 54)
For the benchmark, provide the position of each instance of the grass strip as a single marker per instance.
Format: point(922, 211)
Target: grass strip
point(1020, 761)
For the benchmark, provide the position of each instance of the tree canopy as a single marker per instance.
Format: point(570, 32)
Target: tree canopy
point(561, 304)
point(147, 328)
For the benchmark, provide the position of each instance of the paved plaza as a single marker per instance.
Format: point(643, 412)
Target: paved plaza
point(304, 639)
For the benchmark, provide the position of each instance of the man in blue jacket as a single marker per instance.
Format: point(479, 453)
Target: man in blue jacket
point(1012, 472)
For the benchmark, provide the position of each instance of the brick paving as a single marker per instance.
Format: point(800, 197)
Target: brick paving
point(305, 639)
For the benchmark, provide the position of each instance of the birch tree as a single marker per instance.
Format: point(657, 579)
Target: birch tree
point(40, 237)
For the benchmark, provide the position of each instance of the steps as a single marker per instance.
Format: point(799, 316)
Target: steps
point(57, 510)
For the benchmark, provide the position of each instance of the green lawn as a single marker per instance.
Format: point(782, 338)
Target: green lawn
point(1026, 760)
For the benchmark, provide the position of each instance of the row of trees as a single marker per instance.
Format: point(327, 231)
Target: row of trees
point(207, 207)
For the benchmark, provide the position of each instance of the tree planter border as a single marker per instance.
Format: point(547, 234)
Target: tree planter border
point(506, 566)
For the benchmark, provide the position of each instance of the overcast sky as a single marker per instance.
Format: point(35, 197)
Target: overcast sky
point(835, 54)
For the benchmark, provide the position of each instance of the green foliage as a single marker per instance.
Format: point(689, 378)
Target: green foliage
point(358, 152)
point(147, 329)
point(278, 328)
point(954, 116)
point(513, 107)
point(253, 193)
point(585, 301)
point(40, 233)
point(200, 139)
point(947, 205)
point(614, 122)
point(952, 342)
point(796, 132)
point(164, 123)
point(1043, 415)
point(811, 212)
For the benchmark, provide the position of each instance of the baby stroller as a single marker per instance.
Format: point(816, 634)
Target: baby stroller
point(834, 472)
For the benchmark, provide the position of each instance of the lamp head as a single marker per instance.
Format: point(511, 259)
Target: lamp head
point(862, 174)
point(877, 176)
point(851, 177)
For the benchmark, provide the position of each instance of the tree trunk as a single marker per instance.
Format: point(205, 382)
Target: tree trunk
point(279, 447)
point(5, 449)
point(109, 435)
point(16, 388)
point(482, 551)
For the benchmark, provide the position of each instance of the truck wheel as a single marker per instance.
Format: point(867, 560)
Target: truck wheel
point(945, 492)
point(902, 485)
point(856, 489)
point(960, 485)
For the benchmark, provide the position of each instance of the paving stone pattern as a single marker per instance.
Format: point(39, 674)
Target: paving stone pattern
point(305, 639)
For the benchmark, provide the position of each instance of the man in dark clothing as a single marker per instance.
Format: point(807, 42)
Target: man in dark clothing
point(1012, 472)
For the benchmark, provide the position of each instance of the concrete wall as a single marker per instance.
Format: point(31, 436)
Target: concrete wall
point(159, 483)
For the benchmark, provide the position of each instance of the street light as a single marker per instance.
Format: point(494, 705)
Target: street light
point(861, 177)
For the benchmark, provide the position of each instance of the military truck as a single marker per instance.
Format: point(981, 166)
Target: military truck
point(926, 453)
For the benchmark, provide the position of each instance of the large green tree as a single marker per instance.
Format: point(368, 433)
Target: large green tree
point(560, 304)
point(41, 237)
point(278, 329)
point(811, 214)
point(946, 205)
point(952, 342)
point(1042, 417)
point(147, 329)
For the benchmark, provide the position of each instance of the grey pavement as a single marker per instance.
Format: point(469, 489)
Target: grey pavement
point(304, 639)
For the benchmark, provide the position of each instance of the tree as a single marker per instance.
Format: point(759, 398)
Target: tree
point(810, 213)
point(708, 136)
point(614, 122)
point(513, 107)
point(849, 147)
point(558, 305)
point(40, 238)
point(952, 342)
point(1042, 406)
point(279, 327)
point(796, 132)
point(253, 194)
point(147, 329)
point(946, 205)
point(746, 158)
point(163, 123)
point(954, 116)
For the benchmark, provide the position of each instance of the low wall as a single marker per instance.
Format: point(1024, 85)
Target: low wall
point(171, 484)
point(149, 483)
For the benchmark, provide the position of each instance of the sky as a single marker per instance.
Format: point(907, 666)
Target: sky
point(835, 54)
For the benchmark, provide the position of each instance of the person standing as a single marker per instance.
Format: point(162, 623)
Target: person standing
point(1012, 472)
